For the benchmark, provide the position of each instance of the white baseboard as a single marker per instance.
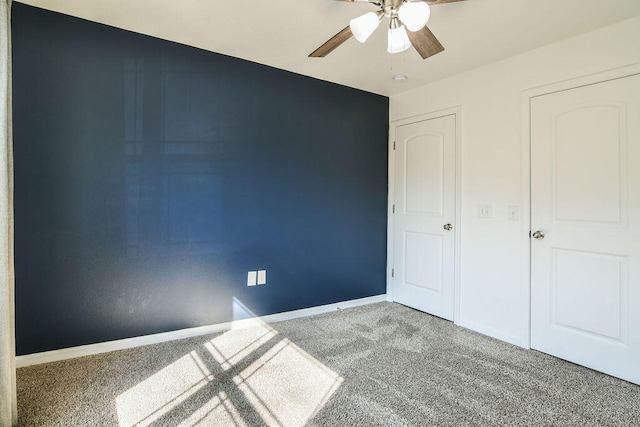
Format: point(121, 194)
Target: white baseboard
point(105, 347)
point(491, 332)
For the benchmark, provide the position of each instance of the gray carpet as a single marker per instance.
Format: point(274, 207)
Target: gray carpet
point(377, 365)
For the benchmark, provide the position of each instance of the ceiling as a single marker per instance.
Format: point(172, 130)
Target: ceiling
point(281, 33)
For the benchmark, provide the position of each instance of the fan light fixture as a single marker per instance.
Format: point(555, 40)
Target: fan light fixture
point(408, 27)
point(397, 40)
point(363, 26)
point(412, 15)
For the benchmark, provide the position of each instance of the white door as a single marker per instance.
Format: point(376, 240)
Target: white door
point(423, 223)
point(585, 198)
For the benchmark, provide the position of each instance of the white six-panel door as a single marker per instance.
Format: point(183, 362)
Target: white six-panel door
point(424, 198)
point(585, 199)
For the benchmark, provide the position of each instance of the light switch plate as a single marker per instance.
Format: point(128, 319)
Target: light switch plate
point(485, 211)
point(514, 213)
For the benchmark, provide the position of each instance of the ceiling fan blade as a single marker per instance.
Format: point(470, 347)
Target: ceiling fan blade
point(425, 42)
point(434, 2)
point(332, 43)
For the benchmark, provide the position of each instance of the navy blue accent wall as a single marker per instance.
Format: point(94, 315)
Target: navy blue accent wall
point(150, 177)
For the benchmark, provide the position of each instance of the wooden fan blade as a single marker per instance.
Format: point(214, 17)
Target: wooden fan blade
point(425, 42)
point(332, 43)
point(434, 2)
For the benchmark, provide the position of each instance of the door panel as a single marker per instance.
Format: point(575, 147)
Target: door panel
point(587, 182)
point(585, 197)
point(594, 283)
point(424, 165)
point(425, 202)
point(421, 271)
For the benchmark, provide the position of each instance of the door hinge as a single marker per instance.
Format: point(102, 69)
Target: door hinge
point(393, 210)
point(529, 233)
point(393, 272)
point(394, 145)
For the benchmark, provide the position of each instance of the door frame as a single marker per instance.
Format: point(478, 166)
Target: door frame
point(452, 111)
point(527, 96)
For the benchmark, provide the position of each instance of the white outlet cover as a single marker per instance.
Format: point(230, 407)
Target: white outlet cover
point(251, 278)
point(262, 277)
point(514, 213)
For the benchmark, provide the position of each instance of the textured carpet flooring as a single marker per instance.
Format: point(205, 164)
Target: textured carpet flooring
point(382, 365)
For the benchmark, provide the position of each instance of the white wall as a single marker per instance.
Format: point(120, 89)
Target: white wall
point(494, 284)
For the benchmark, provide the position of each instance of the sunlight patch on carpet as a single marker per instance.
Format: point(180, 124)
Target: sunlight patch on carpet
point(159, 394)
point(287, 386)
point(266, 377)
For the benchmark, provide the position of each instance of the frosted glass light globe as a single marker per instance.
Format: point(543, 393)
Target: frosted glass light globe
point(397, 40)
point(363, 26)
point(414, 15)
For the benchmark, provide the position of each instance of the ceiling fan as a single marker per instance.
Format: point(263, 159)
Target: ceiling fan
point(407, 27)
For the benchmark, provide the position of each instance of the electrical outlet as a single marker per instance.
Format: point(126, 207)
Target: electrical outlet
point(485, 211)
point(252, 278)
point(262, 277)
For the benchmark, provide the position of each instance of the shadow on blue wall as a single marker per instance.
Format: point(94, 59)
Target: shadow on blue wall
point(150, 177)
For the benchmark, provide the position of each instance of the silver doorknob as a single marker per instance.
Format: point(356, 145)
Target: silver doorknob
point(448, 227)
point(538, 235)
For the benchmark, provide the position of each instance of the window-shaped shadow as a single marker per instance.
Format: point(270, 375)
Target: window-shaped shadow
point(249, 375)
